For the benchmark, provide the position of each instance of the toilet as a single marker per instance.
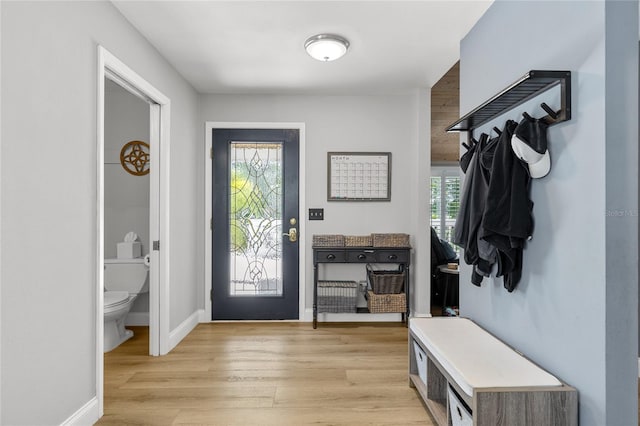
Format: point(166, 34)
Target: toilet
point(124, 279)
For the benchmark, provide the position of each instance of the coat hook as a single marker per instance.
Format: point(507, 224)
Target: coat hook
point(498, 131)
point(527, 116)
point(553, 114)
point(466, 146)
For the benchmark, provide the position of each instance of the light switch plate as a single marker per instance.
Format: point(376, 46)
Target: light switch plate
point(316, 214)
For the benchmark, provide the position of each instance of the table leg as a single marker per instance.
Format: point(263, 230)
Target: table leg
point(315, 295)
point(405, 317)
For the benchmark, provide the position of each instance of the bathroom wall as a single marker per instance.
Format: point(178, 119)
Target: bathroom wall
point(126, 196)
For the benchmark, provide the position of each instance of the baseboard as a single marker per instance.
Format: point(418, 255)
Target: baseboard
point(203, 316)
point(137, 319)
point(327, 317)
point(181, 331)
point(86, 415)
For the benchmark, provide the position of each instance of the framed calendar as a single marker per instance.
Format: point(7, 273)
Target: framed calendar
point(359, 176)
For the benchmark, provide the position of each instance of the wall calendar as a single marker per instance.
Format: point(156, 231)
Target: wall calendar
point(359, 176)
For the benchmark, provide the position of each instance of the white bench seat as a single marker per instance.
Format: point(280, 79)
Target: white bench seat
point(474, 358)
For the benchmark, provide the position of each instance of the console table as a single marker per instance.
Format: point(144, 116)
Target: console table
point(364, 255)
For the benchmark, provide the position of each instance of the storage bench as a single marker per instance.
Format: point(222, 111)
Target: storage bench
point(465, 376)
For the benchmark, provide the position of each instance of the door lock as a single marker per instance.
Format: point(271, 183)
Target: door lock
point(292, 234)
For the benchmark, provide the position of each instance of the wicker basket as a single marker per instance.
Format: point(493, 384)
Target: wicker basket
point(383, 303)
point(357, 240)
point(385, 282)
point(390, 240)
point(337, 296)
point(328, 240)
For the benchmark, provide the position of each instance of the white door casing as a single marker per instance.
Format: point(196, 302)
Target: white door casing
point(160, 108)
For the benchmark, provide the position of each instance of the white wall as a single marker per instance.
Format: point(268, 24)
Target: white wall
point(575, 309)
point(126, 196)
point(352, 123)
point(48, 190)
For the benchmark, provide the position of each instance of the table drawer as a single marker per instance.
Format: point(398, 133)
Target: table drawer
point(329, 256)
point(364, 256)
point(392, 256)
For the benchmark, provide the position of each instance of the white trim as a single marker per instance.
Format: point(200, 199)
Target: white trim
point(181, 331)
point(111, 67)
point(0, 235)
point(203, 316)
point(302, 220)
point(100, 235)
point(164, 228)
point(86, 415)
point(139, 319)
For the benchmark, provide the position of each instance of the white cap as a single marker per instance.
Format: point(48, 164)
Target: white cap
point(529, 144)
point(538, 164)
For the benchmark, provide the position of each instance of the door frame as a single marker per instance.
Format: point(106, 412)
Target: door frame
point(208, 214)
point(159, 108)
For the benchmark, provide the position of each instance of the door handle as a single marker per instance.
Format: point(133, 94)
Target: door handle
point(292, 234)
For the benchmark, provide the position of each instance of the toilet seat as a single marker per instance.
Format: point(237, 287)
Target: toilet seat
point(115, 298)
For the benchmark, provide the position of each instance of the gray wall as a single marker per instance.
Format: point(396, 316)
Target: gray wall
point(48, 190)
point(353, 123)
point(575, 311)
point(126, 197)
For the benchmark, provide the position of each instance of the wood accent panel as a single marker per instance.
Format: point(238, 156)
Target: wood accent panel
point(514, 407)
point(445, 109)
point(266, 374)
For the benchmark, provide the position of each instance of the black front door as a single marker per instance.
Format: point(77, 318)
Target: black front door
point(255, 258)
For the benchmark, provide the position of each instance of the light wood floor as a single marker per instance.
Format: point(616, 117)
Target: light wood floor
point(266, 374)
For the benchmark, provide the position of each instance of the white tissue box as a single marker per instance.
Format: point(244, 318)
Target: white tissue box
point(129, 250)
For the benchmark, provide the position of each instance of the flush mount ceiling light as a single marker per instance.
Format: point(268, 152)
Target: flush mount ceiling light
point(326, 47)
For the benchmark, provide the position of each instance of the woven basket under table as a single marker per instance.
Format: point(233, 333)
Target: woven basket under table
point(337, 296)
point(384, 303)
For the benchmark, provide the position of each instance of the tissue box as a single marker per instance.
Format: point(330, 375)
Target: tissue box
point(129, 250)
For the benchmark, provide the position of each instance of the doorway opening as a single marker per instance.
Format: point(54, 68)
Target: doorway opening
point(111, 71)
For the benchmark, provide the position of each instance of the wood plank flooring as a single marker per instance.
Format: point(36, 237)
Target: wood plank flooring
point(266, 374)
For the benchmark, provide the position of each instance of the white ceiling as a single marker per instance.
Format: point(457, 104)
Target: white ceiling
point(257, 46)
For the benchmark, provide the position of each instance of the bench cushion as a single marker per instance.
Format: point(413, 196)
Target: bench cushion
point(474, 358)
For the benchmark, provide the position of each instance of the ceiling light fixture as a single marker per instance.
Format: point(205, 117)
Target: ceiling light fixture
point(326, 47)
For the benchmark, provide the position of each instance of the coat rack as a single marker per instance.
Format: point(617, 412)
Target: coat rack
point(527, 87)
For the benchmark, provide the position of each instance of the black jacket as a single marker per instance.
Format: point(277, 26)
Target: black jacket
point(495, 211)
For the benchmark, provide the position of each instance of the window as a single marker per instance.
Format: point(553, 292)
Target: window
point(445, 201)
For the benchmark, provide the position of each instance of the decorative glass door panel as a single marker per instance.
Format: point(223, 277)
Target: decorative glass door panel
point(255, 219)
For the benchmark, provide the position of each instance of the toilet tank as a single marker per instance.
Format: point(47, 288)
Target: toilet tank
point(126, 275)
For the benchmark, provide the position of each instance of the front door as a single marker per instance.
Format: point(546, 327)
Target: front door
point(255, 259)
